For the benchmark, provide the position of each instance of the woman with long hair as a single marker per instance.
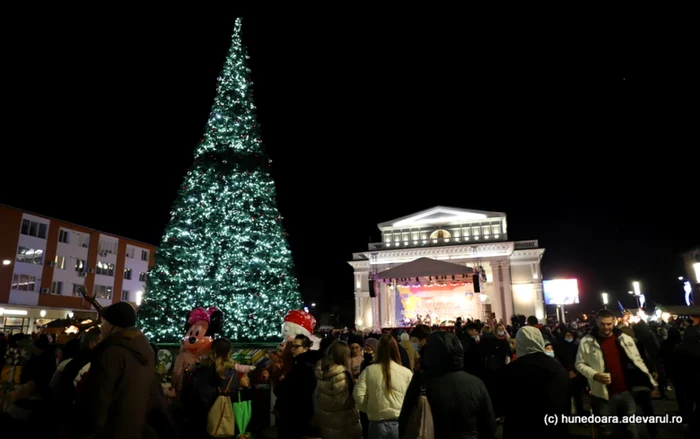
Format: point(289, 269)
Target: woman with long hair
point(381, 388)
point(336, 413)
point(199, 393)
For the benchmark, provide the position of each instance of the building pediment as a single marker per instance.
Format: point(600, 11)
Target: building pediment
point(439, 215)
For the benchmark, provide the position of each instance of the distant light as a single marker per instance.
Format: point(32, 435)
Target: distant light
point(6, 262)
point(637, 289)
point(605, 298)
point(313, 305)
point(688, 292)
point(680, 277)
point(42, 313)
point(13, 312)
point(306, 308)
point(70, 315)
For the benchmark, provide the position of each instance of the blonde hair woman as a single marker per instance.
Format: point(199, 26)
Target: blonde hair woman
point(336, 414)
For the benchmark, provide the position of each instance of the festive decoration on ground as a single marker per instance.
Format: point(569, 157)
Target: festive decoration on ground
point(224, 244)
point(300, 322)
point(201, 324)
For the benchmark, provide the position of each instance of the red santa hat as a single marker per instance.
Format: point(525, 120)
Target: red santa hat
point(301, 318)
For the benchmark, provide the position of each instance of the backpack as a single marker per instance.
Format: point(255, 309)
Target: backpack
point(220, 420)
point(420, 424)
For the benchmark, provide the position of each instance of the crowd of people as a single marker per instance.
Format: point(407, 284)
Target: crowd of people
point(475, 376)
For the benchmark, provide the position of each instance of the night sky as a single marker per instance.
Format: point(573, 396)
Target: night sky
point(583, 142)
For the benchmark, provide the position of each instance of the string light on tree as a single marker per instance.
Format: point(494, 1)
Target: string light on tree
point(224, 245)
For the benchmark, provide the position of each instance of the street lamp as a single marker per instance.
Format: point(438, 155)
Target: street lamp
point(313, 305)
point(637, 292)
point(6, 262)
point(605, 300)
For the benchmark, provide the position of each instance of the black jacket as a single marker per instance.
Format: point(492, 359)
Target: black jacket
point(543, 388)
point(459, 402)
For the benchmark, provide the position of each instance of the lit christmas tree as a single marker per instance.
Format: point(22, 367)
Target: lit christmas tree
point(224, 245)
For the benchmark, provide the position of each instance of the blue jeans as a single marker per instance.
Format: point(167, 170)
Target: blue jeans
point(388, 429)
point(618, 405)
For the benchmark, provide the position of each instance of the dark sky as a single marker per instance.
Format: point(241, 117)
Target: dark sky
point(582, 139)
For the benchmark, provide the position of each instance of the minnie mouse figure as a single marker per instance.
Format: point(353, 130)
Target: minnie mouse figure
point(200, 326)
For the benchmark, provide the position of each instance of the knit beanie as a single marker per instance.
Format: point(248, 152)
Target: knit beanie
point(121, 314)
point(372, 343)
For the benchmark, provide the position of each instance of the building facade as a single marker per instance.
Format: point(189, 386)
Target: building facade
point(43, 261)
point(444, 263)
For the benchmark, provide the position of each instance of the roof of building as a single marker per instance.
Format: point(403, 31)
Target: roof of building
point(79, 225)
point(424, 267)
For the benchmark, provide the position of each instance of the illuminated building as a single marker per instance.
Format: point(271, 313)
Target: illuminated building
point(43, 260)
point(446, 262)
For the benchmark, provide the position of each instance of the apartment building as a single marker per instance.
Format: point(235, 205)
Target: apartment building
point(43, 260)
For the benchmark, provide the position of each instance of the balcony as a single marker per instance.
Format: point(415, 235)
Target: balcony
point(440, 242)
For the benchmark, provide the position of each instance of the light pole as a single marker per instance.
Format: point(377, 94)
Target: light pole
point(605, 300)
point(637, 292)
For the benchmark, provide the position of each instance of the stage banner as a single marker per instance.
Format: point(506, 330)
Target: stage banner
point(437, 304)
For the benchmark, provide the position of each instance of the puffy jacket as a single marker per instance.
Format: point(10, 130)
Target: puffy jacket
point(372, 397)
point(336, 413)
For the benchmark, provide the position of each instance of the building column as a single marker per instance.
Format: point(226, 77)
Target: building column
point(376, 314)
point(504, 266)
point(391, 304)
point(538, 292)
point(495, 291)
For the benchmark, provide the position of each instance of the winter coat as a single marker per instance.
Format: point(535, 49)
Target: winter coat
point(459, 402)
point(543, 382)
point(336, 413)
point(117, 392)
point(372, 397)
point(590, 361)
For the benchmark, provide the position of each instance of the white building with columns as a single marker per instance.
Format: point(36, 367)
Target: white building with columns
point(425, 266)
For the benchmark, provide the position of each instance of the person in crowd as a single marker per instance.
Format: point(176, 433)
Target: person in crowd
point(494, 354)
point(70, 350)
point(543, 380)
point(685, 367)
point(459, 402)
point(337, 415)
point(566, 354)
point(295, 392)
point(214, 373)
point(121, 381)
point(381, 388)
point(611, 363)
point(413, 355)
point(641, 393)
point(357, 355)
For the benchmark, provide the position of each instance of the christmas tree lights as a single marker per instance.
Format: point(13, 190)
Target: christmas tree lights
point(224, 245)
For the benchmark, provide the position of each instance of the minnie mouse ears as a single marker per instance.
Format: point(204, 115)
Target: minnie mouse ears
point(213, 316)
point(216, 321)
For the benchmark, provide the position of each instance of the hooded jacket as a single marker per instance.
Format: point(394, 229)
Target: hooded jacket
point(459, 402)
point(542, 381)
point(115, 399)
point(590, 361)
